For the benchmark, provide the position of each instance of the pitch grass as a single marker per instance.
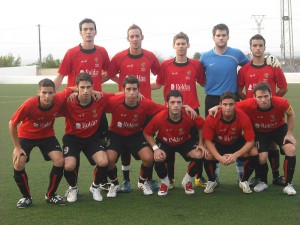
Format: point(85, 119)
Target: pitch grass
point(226, 206)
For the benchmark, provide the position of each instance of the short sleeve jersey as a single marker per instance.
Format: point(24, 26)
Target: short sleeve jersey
point(78, 60)
point(182, 77)
point(128, 120)
point(83, 121)
point(227, 133)
point(125, 64)
point(250, 75)
point(37, 122)
point(170, 132)
point(221, 70)
point(266, 120)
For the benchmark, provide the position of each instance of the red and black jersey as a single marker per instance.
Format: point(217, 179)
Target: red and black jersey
point(83, 121)
point(182, 77)
point(38, 122)
point(78, 60)
point(170, 132)
point(125, 64)
point(223, 132)
point(128, 120)
point(266, 120)
point(250, 75)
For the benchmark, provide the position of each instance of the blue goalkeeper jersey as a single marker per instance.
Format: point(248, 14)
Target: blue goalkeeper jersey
point(221, 70)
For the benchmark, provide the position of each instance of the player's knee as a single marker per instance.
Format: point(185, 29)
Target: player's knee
point(262, 158)
point(289, 150)
point(69, 165)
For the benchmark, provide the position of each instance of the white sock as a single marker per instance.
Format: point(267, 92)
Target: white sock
point(187, 178)
point(166, 181)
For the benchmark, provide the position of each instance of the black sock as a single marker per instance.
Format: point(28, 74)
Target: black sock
point(289, 168)
point(22, 182)
point(71, 177)
point(210, 167)
point(100, 173)
point(250, 164)
point(55, 178)
point(274, 162)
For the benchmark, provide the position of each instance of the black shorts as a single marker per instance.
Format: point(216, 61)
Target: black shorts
point(46, 145)
point(263, 140)
point(229, 149)
point(182, 149)
point(133, 143)
point(72, 146)
point(103, 126)
point(211, 101)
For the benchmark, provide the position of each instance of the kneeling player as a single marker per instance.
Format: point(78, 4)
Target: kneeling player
point(173, 127)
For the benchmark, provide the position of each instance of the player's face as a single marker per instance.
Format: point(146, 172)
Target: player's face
point(84, 91)
point(228, 108)
point(175, 105)
point(221, 38)
point(257, 48)
point(46, 95)
point(135, 39)
point(88, 32)
point(181, 47)
point(263, 99)
point(131, 92)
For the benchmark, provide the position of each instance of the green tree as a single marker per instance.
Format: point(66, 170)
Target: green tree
point(49, 62)
point(9, 61)
point(197, 55)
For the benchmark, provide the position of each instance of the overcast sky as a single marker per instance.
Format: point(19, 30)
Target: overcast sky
point(160, 20)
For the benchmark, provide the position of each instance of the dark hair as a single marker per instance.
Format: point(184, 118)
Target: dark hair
point(220, 26)
point(83, 77)
point(181, 35)
point(46, 83)
point(257, 37)
point(228, 95)
point(133, 27)
point(131, 80)
point(262, 86)
point(87, 20)
point(174, 93)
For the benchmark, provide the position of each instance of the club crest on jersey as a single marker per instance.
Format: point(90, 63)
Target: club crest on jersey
point(96, 59)
point(266, 75)
point(188, 75)
point(143, 65)
point(66, 150)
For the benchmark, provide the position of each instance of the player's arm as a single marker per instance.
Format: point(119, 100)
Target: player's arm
point(201, 146)
point(106, 77)
point(18, 151)
point(240, 93)
point(231, 158)
point(281, 92)
point(155, 86)
point(58, 80)
point(210, 146)
point(290, 123)
point(159, 155)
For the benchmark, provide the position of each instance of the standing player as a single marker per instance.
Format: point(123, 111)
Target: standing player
point(173, 135)
point(267, 114)
point(138, 62)
point(126, 133)
point(220, 65)
point(251, 74)
point(86, 58)
point(82, 122)
point(182, 74)
point(229, 136)
point(36, 116)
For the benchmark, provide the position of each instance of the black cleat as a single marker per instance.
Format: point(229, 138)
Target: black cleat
point(56, 199)
point(24, 203)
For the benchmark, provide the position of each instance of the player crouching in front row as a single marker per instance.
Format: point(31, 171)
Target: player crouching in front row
point(173, 135)
point(228, 136)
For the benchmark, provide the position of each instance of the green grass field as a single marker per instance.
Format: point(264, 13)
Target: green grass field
point(226, 206)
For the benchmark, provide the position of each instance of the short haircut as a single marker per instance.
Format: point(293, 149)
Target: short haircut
point(174, 93)
point(257, 37)
point(46, 83)
point(87, 20)
point(228, 95)
point(131, 80)
point(181, 35)
point(84, 77)
point(262, 86)
point(220, 26)
point(133, 27)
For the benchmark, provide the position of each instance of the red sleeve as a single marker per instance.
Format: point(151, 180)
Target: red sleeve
point(153, 125)
point(247, 126)
point(199, 122)
point(21, 114)
point(161, 78)
point(200, 74)
point(280, 78)
point(208, 128)
point(155, 66)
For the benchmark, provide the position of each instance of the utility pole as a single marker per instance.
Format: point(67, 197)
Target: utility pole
point(258, 19)
point(40, 48)
point(287, 43)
